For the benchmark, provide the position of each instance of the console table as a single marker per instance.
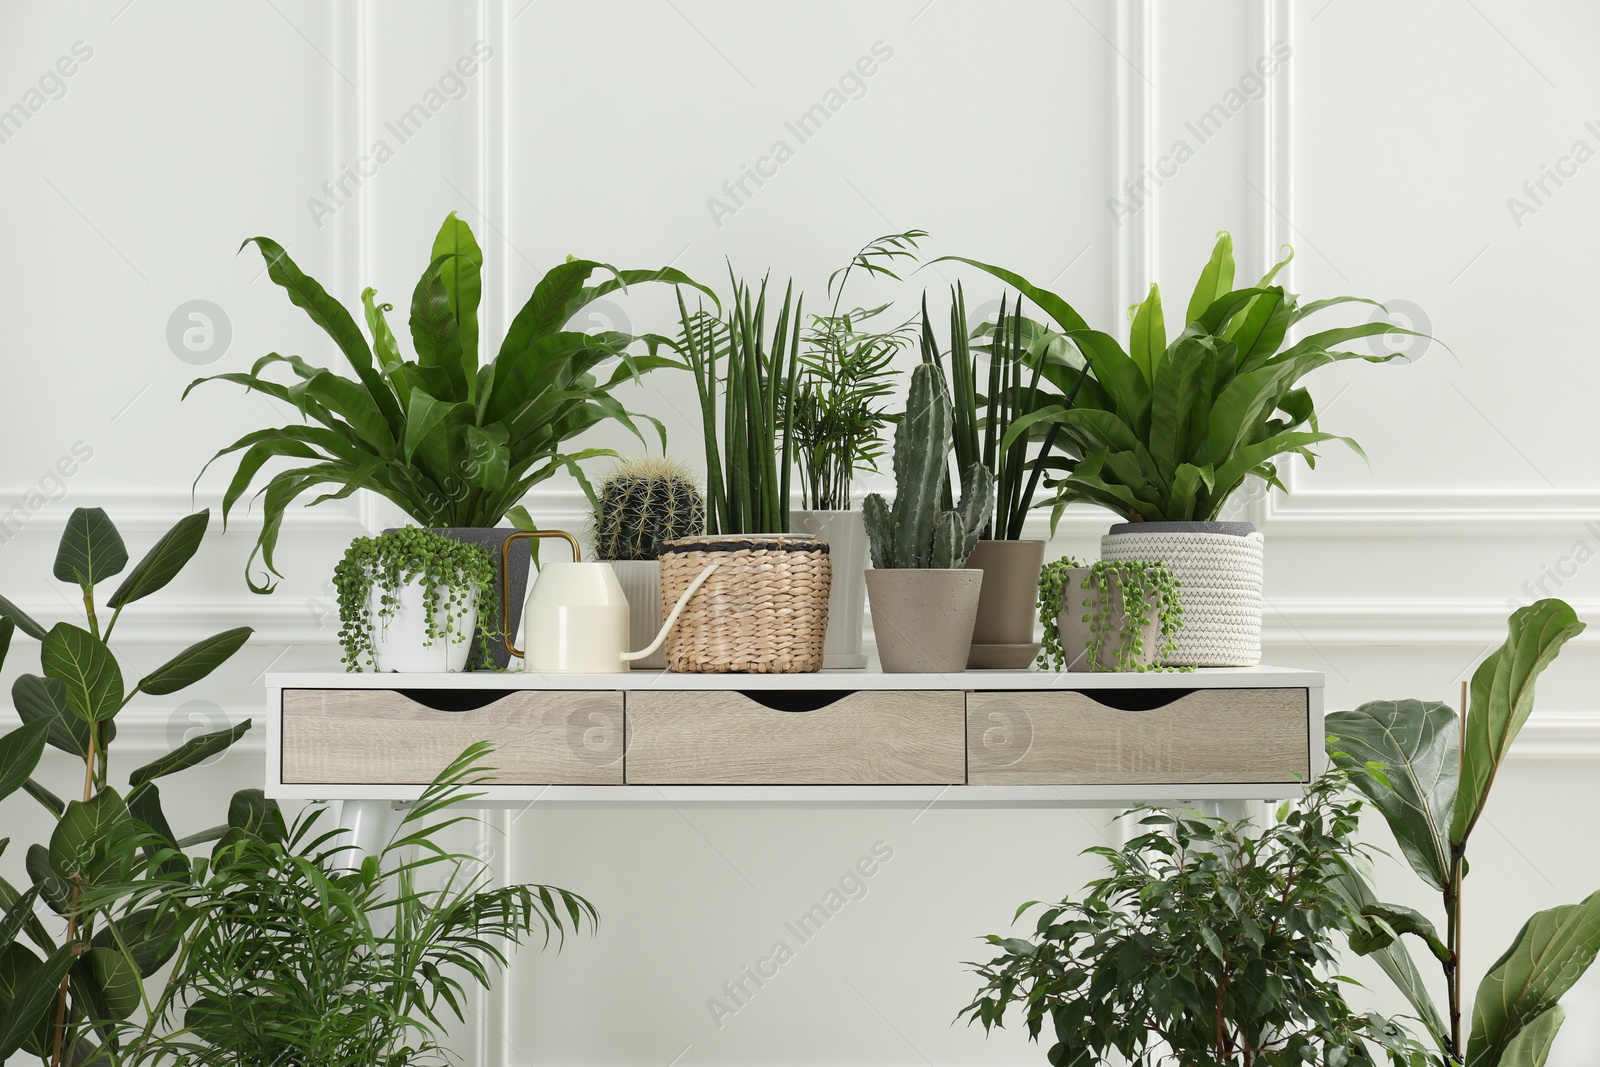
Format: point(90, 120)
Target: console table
point(852, 738)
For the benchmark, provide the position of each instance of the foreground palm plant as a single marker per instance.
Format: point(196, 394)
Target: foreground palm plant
point(1168, 431)
point(1429, 773)
point(452, 443)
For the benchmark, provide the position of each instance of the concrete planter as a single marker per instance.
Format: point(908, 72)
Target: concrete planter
point(1002, 637)
point(1219, 570)
point(922, 619)
point(846, 534)
point(1080, 606)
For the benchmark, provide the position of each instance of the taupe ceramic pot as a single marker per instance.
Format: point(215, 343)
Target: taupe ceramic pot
point(1002, 637)
point(922, 619)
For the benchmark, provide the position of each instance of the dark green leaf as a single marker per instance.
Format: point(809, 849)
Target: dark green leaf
point(252, 811)
point(30, 986)
point(1550, 953)
point(91, 550)
point(195, 750)
point(163, 562)
point(45, 700)
point(24, 621)
point(19, 755)
point(150, 936)
point(51, 802)
point(82, 661)
point(78, 845)
point(194, 662)
point(117, 980)
point(8, 626)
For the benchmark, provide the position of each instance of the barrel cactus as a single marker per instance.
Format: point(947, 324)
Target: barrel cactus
point(643, 502)
point(913, 532)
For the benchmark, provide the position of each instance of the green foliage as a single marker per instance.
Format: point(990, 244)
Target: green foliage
point(915, 533)
point(1019, 352)
point(741, 374)
point(1209, 942)
point(1053, 582)
point(63, 1002)
point(450, 442)
point(290, 950)
point(1142, 591)
point(642, 502)
point(1169, 431)
point(834, 415)
point(450, 571)
point(1409, 758)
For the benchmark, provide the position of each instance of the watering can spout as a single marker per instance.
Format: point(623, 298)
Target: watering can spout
point(672, 617)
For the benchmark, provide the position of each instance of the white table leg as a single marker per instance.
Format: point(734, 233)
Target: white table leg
point(366, 825)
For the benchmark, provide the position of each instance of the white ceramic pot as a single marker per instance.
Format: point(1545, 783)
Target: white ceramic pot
point(641, 585)
point(1219, 570)
point(846, 535)
point(400, 642)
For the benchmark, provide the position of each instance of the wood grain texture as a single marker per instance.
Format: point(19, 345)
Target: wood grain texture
point(718, 738)
point(1207, 736)
point(382, 737)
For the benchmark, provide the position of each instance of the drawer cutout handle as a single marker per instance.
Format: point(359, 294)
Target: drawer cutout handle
point(1136, 699)
point(795, 700)
point(454, 699)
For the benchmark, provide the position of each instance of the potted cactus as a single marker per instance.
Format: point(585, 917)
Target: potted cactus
point(642, 502)
point(924, 601)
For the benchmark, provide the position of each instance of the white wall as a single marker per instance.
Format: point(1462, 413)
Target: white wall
point(1384, 149)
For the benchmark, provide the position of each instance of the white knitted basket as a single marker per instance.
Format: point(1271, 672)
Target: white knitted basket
point(1219, 576)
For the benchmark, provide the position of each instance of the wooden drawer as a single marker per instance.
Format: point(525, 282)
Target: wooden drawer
point(793, 737)
point(399, 737)
point(1201, 736)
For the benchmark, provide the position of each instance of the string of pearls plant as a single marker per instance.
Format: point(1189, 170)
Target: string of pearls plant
point(449, 571)
point(1147, 590)
point(1052, 596)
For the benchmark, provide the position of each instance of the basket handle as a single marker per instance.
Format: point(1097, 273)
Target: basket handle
point(672, 618)
point(505, 578)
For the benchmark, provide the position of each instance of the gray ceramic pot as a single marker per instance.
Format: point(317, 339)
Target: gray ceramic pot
point(1002, 637)
point(492, 539)
point(1076, 633)
point(922, 619)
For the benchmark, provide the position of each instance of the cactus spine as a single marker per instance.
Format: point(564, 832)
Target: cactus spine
point(643, 502)
point(913, 532)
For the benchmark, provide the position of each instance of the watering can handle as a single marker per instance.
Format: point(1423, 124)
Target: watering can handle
point(672, 618)
point(505, 577)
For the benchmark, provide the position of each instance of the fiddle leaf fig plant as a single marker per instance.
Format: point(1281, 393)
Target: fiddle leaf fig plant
point(451, 440)
point(1168, 430)
point(72, 966)
point(1430, 775)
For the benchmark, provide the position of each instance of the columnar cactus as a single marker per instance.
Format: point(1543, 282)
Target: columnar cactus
point(914, 533)
point(643, 502)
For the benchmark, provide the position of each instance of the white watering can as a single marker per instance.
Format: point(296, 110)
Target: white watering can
point(576, 618)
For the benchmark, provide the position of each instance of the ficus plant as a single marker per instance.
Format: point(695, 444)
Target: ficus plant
point(1169, 430)
point(1429, 772)
point(72, 967)
point(451, 440)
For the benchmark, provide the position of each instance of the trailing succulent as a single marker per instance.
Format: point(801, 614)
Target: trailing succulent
point(450, 571)
point(451, 439)
point(643, 502)
point(1168, 431)
point(1054, 577)
point(921, 530)
point(1143, 590)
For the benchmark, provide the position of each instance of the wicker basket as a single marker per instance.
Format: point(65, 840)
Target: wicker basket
point(763, 611)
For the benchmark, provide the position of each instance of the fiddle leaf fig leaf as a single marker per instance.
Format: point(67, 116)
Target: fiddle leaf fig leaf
point(194, 662)
point(1403, 755)
point(82, 661)
point(1549, 954)
point(1502, 700)
point(91, 550)
point(163, 562)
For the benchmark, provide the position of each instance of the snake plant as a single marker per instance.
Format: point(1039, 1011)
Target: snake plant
point(451, 442)
point(1169, 430)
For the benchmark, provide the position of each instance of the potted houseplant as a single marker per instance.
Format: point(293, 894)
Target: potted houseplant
point(1166, 432)
point(924, 601)
point(642, 502)
point(1429, 774)
point(1208, 942)
point(836, 420)
point(71, 975)
point(415, 601)
point(290, 951)
point(454, 444)
point(1109, 616)
point(988, 403)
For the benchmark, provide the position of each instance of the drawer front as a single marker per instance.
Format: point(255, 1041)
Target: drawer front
point(386, 737)
point(731, 738)
point(1206, 736)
